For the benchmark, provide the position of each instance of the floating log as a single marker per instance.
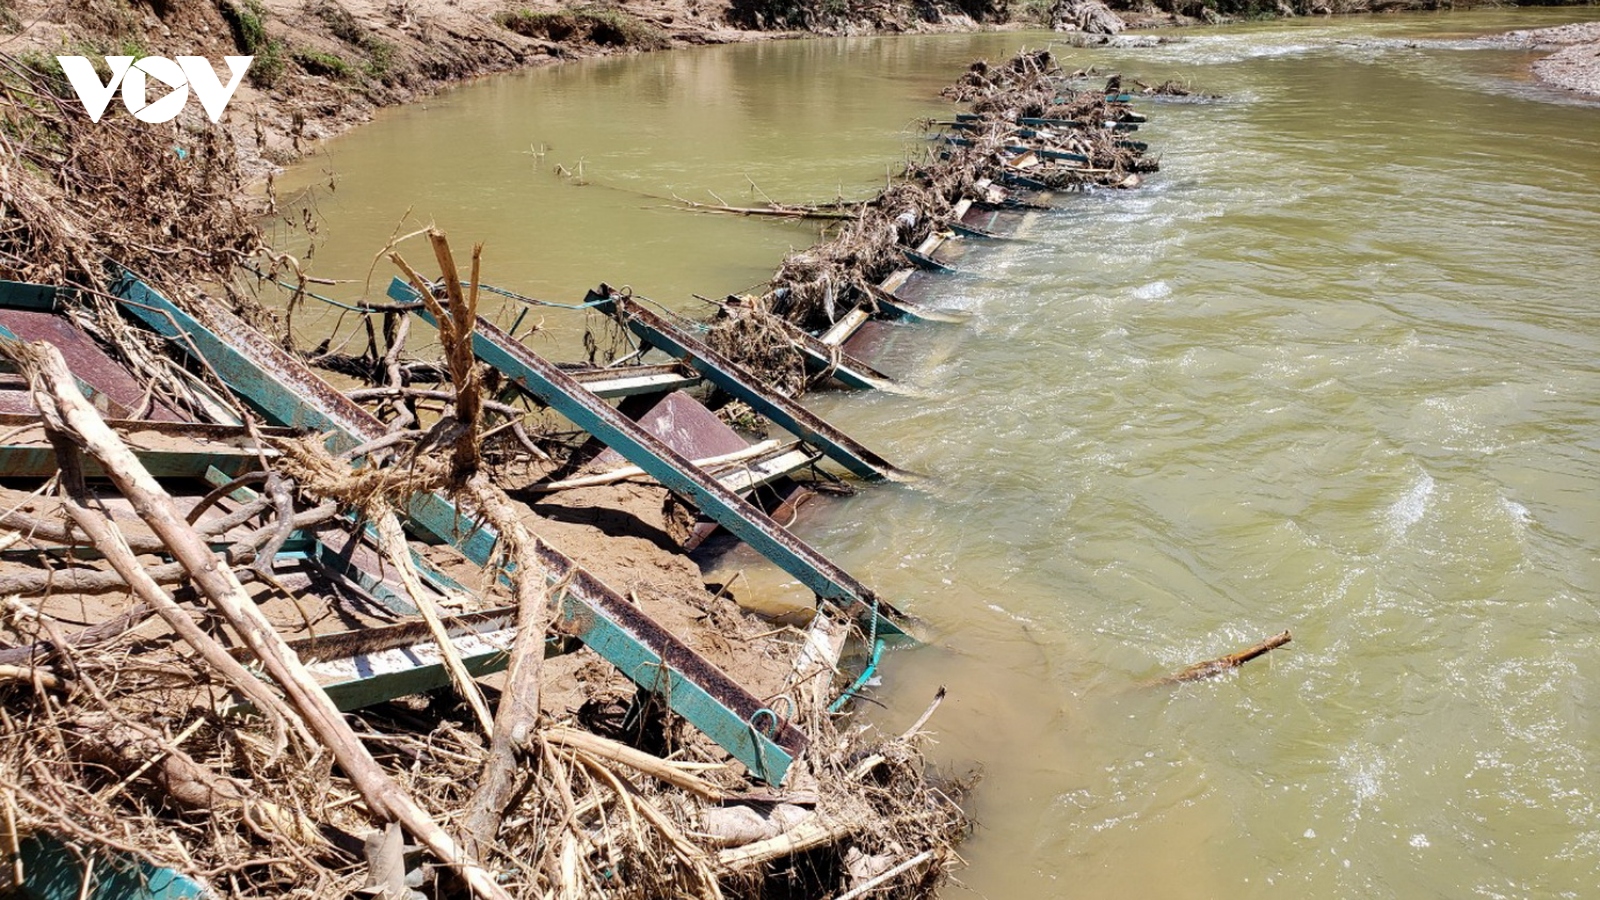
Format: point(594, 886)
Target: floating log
point(774, 210)
point(1214, 667)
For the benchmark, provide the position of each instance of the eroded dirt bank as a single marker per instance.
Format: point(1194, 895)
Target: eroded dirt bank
point(323, 66)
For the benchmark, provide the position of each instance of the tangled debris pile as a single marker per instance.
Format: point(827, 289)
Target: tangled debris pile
point(1033, 129)
point(256, 638)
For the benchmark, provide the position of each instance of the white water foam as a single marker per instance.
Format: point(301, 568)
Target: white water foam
point(1409, 509)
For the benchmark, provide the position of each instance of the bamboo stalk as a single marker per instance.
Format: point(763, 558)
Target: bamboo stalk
point(813, 832)
point(638, 760)
point(35, 674)
point(862, 889)
point(392, 541)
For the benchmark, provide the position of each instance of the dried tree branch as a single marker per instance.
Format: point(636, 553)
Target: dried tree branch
point(73, 422)
point(1214, 667)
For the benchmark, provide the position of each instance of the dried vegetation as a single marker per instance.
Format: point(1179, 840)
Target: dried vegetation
point(156, 705)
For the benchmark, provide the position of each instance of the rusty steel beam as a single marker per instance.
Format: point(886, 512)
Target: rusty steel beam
point(739, 383)
point(547, 383)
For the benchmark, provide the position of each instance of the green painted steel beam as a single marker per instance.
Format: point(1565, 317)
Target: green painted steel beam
point(546, 383)
point(732, 378)
point(54, 871)
point(27, 295)
point(288, 393)
point(36, 461)
point(282, 389)
point(264, 375)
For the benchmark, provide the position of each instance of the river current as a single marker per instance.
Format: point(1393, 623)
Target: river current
point(1335, 369)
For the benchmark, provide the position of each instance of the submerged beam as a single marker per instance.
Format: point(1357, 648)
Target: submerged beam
point(826, 355)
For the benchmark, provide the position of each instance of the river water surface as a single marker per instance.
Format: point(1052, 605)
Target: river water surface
point(1336, 369)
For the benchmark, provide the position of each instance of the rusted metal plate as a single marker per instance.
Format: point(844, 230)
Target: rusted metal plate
point(921, 286)
point(734, 379)
point(119, 394)
point(685, 425)
point(869, 340)
point(994, 220)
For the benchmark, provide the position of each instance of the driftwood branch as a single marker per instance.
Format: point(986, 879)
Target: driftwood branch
point(638, 760)
point(92, 581)
point(132, 748)
point(773, 210)
point(1214, 667)
point(96, 634)
point(109, 541)
point(392, 542)
point(73, 423)
point(518, 712)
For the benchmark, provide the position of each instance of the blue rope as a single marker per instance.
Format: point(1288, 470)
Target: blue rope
point(300, 289)
point(485, 287)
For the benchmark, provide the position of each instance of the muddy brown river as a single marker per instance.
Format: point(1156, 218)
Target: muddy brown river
point(1335, 369)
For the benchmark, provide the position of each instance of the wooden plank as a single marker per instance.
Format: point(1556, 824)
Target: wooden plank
point(623, 384)
point(846, 326)
point(767, 469)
